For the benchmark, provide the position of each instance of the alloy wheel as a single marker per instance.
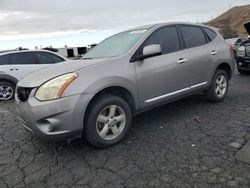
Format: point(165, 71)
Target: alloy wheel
point(221, 86)
point(111, 122)
point(6, 92)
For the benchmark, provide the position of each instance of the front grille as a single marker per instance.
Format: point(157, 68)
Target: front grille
point(248, 51)
point(23, 93)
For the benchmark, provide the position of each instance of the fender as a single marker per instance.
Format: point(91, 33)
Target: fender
point(8, 78)
point(98, 85)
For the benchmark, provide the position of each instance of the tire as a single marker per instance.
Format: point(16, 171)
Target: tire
point(243, 72)
point(218, 91)
point(110, 129)
point(7, 91)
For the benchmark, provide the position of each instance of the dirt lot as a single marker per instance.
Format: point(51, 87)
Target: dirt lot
point(189, 143)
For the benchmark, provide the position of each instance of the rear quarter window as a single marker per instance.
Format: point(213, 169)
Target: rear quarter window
point(4, 59)
point(210, 33)
point(48, 58)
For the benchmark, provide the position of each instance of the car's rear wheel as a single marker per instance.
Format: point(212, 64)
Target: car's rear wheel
point(108, 121)
point(7, 91)
point(219, 86)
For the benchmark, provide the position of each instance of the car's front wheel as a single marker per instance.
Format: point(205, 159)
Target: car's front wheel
point(7, 91)
point(108, 121)
point(219, 86)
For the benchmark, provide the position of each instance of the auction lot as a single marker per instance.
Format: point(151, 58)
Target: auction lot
point(188, 143)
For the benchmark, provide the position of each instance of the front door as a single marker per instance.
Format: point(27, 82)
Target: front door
point(165, 76)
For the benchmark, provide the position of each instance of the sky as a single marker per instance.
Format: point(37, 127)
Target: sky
point(75, 23)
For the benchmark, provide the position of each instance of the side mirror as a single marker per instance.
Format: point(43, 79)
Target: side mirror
point(152, 50)
point(149, 51)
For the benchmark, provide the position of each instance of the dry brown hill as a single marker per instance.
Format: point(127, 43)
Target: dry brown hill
point(235, 18)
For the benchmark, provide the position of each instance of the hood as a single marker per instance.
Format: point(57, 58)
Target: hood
point(39, 77)
point(247, 27)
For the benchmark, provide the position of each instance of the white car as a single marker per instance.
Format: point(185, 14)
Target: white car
point(17, 64)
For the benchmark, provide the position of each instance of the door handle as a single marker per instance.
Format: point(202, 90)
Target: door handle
point(181, 61)
point(214, 52)
point(13, 69)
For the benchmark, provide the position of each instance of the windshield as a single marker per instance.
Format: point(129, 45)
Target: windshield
point(115, 45)
point(231, 41)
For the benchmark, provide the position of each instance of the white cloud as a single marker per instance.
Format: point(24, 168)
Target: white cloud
point(24, 19)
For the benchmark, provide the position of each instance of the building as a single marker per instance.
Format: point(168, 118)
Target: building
point(71, 52)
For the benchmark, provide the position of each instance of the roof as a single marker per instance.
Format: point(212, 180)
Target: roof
point(167, 23)
point(21, 51)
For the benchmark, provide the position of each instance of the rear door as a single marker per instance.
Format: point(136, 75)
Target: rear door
point(199, 53)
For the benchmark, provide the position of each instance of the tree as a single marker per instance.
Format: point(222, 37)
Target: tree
point(228, 32)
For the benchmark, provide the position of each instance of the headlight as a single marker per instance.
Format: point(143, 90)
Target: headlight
point(54, 88)
point(241, 51)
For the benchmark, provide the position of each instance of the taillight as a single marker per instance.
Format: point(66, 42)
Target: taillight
point(231, 48)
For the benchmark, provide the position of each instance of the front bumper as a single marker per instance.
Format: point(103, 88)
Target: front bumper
point(54, 120)
point(243, 63)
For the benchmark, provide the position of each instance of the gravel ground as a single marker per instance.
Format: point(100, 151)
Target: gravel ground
point(188, 143)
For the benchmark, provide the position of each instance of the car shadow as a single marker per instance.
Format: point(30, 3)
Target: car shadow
point(143, 122)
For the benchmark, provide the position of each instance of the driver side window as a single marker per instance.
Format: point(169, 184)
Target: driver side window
point(167, 37)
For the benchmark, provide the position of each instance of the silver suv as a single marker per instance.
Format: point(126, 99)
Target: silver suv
point(125, 74)
point(15, 65)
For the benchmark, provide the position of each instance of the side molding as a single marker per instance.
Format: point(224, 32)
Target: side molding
point(175, 92)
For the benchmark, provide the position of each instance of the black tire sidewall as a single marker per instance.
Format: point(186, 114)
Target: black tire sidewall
point(90, 131)
point(11, 85)
point(212, 96)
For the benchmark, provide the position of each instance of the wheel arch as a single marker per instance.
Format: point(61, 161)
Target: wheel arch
point(8, 78)
point(119, 91)
point(227, 68)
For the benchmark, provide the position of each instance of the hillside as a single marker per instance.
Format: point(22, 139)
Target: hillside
point(234, 18)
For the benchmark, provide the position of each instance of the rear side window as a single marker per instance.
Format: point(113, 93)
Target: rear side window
point(23, 58)
point(167, 37)
point(192, 36)
point(210, 33)
point(4, 60)
point(48, 58)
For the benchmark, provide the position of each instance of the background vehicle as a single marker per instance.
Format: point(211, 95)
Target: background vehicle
point(243, 54)
point(17, 64)
point(125, 74)
point(243, 58)
point(236, 42)
point(13, 50)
